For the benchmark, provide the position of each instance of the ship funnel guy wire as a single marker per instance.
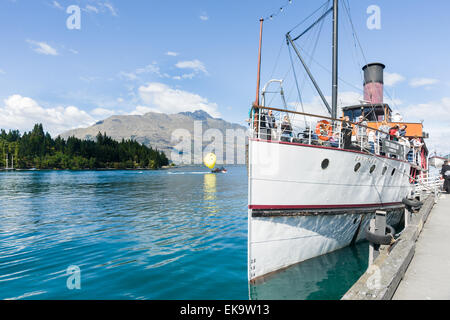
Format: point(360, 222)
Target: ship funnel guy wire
point(290, 41)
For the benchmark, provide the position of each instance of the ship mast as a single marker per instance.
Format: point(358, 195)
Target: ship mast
point(334, 92)
point(259, 62)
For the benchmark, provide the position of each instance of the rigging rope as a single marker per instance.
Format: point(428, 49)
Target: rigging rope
point(296, 81)
point(317, 32)
point(301, 22)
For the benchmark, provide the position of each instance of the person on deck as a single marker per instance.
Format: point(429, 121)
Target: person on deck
point(261, 122)
point(417, 146)
point(271, 124)
point(286, 130)
point(334, 140)
point(402, 131)
point(362, 131)
point(371, 138)
point(445, 171)
point(253, 116)
point(383, 135)
point(393, 133)
point(347, 133)
point(406, 145)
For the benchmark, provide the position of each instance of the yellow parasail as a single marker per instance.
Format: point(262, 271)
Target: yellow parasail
point(210, 160)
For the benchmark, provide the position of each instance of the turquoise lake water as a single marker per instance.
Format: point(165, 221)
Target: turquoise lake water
point(168, 234)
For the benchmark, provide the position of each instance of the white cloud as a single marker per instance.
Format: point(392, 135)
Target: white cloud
point(128, 75)
point(204, 17)
point(18, 112)
point(196, 65)
point(185, 76)
point(42, 48)
point(433, 111)
point(172, 54)
point(57, 5)
point(103, 113)
point(90, 8)
point(436, 117)
point(141, 110)
point(22, 113)
point(419, 82)
point(391, 79)
point(151, 68)
point(161, 97)
point(393, 102)
point(111, 8)
point(2, 72)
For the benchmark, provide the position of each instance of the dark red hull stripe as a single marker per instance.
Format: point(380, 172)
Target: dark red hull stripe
point(328, 206)
point(323, 147)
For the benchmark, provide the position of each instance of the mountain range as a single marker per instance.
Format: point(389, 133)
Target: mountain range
point(155, 129)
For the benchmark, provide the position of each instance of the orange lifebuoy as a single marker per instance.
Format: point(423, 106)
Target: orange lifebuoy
point(324, 130)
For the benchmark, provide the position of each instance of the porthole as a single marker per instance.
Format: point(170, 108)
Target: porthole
point(384, 170)
point(357, 166)
point(393, 171)
point(372, 169)
point(325, 164)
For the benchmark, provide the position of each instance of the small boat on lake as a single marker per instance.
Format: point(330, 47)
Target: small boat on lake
point(219, 170)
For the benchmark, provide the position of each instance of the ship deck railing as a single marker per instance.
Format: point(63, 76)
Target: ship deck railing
point(305, 130)
point(428, 184)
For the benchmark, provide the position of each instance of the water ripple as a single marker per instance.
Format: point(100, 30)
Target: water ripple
point(139, 235)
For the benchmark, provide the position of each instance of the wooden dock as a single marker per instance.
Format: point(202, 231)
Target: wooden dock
point(428, 275)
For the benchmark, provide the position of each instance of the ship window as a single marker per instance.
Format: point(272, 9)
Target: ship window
point(393, 171)
point(384, 170)
point(372, 168)
point(357, 166)
point(325, 164)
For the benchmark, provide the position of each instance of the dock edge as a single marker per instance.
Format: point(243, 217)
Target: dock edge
point(382, 278)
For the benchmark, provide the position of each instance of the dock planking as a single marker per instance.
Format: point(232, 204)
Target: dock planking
point(428, 276)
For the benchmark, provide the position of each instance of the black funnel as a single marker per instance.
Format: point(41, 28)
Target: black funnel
point(373, 72)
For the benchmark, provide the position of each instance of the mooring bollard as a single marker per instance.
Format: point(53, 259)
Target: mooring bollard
point(377, 227)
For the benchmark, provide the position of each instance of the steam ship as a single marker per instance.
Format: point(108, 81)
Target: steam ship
point(310, 192)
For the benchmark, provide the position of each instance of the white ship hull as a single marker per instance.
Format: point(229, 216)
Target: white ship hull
point(298, 210)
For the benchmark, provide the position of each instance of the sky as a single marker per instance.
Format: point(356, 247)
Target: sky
point(136, 56)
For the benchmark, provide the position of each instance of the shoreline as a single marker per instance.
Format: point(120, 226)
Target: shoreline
point(97, 169)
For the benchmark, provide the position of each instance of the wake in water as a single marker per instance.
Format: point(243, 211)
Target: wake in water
point(190, 172)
